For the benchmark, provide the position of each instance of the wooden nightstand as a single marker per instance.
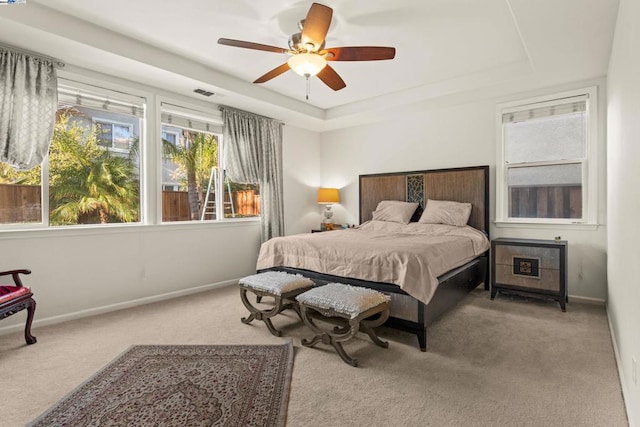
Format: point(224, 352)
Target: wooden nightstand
point(531, 267)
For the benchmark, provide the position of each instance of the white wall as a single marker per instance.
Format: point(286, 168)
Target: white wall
point(452, 133)
point(90, 270)
point(624, 199)
point(301, 160)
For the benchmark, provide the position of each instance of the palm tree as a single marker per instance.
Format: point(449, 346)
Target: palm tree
point(88, 184)
point(9, 175)
point(194, 158)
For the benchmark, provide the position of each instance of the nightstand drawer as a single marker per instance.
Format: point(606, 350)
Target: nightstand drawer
point(548, 257)
point(546, 279)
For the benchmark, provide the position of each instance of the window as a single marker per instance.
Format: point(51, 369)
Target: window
point(170, 136)
point(194, 183)
point(94, 173)
point(115, 136)
point(86, 183)
point(546, 167)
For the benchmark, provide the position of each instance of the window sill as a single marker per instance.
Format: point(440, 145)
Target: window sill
point(86, 230)
point(541, 225)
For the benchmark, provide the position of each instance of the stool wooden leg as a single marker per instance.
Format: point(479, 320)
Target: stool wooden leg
point(343, 354)
point(367, 325)
point(252, 309)
point(265, 316)
point(377, 341)
point(271, 328)
point(334, 338)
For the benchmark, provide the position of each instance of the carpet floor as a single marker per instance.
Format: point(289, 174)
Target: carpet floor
point(506, 362)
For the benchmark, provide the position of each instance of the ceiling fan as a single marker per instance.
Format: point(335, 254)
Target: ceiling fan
point(308, 53)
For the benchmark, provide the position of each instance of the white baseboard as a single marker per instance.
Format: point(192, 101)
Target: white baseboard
point(588, 300)
point(625, 392)
point(114, 307)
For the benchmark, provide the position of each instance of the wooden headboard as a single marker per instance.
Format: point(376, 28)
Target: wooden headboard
point(470, 184)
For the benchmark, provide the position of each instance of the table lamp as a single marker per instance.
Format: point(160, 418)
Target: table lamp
point(327, 197)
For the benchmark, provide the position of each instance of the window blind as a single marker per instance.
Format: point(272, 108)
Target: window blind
point(559, 107)
point(72, 94)
point(174, 115)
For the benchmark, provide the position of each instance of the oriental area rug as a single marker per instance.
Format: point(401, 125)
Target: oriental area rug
point(182, 385)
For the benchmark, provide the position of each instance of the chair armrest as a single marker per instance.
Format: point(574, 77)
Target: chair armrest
point(15, 274)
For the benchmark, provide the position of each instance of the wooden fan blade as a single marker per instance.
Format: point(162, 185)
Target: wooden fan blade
point(273, 73)
point(329, 76)
point(359, 53)
point(251, 45)
point(316, 25)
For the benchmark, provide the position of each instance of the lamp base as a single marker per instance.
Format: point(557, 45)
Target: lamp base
point(328, 215)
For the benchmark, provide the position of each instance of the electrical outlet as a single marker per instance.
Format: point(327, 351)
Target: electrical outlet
point(634, 370)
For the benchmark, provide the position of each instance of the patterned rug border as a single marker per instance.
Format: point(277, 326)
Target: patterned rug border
point(286, 388)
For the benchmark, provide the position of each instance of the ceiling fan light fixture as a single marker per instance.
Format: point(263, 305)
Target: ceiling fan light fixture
point(307, 64)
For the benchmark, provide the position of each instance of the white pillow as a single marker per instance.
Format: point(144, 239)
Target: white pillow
point(446, 212)
point(394, 211)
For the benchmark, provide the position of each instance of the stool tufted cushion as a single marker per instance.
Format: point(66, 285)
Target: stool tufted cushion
point(10, 292)
point(276, 282)
point(345, 299)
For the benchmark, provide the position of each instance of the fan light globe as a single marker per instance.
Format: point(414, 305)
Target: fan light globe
point(307, 64)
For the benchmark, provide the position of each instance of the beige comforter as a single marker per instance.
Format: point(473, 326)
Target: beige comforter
point(411, 256)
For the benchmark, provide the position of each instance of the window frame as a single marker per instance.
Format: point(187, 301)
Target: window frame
point(149, 166)
point(170, 132)
point(212, 118)
point(589, 162)
point(104, 89)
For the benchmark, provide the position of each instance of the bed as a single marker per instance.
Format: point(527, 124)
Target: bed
point(426, 283)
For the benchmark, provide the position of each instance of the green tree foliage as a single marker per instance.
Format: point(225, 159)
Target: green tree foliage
point(9, 175)
point(194, 158)
point(89, 184)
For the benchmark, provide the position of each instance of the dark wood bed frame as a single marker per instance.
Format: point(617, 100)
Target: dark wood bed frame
point(469, 184)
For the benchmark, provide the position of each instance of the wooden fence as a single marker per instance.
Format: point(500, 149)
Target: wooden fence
point(21, 204)
point(546, 202)
point(175, 205)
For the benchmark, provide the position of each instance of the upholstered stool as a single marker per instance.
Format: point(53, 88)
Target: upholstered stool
point(282, 286)
point(350, 303)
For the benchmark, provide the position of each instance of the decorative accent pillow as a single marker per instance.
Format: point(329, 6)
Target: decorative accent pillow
point(417, 214)
point(446, 212)
point(394, 211)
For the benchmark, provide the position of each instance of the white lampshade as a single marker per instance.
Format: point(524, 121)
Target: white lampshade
point(307, 64)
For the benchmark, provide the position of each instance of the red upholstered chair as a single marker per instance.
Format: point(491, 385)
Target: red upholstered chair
point(16, 297)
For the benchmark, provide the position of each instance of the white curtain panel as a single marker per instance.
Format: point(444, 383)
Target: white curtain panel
point(253, 155)
point(28, 104)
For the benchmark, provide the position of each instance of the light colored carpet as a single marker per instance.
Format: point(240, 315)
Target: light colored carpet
point(506, 362)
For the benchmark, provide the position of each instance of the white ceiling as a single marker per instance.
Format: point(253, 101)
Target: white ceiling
point(443, 47)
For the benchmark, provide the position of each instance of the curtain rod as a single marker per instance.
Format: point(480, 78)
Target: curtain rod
point(222, 107)
point(55, 61)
